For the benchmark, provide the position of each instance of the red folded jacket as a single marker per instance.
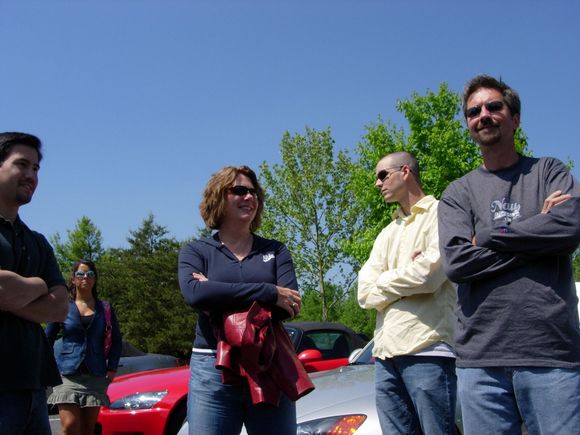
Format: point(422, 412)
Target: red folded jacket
point(253, 347)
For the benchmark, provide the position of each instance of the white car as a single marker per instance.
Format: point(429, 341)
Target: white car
point(342, 402)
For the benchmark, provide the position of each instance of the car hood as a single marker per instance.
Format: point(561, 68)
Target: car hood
point(346, 390)
point(172, 379)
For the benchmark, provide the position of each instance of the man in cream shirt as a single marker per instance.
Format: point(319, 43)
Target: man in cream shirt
point(404, 281)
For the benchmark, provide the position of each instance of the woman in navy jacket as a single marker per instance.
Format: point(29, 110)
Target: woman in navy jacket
point(80, 355)
point(227, 271)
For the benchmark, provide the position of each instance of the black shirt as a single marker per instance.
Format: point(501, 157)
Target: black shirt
point(26, 358)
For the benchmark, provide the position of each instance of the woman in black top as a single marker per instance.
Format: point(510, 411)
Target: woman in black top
point(227, 271)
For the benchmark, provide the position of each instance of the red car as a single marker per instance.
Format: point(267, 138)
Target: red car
point(322, 345)
point(154, 402)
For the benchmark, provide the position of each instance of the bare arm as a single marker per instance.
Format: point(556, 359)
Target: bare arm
point(51, 307)
point(16, 291)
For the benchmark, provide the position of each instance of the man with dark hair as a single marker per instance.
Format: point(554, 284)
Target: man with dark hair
point(403, 280)
point(507, 231)
point(32, 291)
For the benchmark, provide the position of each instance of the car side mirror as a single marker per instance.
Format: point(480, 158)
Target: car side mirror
point(354, 355)
point(310, 355)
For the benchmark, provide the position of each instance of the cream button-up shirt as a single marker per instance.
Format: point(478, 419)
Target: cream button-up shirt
point(413, 297)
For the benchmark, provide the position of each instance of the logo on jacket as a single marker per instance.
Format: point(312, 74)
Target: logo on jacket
point(267, 257)
point(503, 210)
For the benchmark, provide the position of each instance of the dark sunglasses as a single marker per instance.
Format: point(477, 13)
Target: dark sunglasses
point(88, 274)
point(243, 191)
point(384, 175)
point(491, 106)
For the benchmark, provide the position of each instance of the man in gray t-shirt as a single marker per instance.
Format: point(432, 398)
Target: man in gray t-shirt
point(507, 231)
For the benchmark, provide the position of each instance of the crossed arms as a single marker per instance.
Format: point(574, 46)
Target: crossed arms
point(31, 299)
point(468, 256)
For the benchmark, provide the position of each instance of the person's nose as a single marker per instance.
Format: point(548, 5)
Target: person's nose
point(485, 117)
point(31, 175)
point(484, 113)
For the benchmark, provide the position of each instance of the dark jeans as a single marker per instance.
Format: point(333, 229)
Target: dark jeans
point(24, 413)
point(416, 393)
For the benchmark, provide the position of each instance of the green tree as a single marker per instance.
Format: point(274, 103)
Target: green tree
point(353, 316)
point(576, 266)
point(309, 209)
point(312, 303)
point(142, 283)
point(83, 242)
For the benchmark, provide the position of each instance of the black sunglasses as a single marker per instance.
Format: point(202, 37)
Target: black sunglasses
point(384, 175)
point(243, 191)
point(491, 106)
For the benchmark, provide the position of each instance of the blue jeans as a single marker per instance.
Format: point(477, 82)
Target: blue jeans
point(496, 400)
point(218, 409)
point(24, 412)
point(416, 393)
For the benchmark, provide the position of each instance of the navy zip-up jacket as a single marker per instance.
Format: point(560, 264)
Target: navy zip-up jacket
point(231, 283)
point(79, 344)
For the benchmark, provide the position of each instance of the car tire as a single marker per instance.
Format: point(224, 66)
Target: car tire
point(176, 419)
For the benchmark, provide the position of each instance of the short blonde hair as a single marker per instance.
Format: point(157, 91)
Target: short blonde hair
point(213, 203)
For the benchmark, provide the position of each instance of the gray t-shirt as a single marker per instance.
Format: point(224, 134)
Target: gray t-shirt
point(517, 304)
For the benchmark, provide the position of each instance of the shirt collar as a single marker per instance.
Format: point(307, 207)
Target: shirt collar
point(16, 225)
point(422, 205)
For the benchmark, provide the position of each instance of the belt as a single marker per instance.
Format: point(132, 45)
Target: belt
point(203, 351)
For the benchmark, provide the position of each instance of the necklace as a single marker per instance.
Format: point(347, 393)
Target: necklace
point(240, 248)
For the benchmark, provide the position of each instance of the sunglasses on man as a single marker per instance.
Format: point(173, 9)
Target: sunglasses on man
point(491, 106)
point(384, 174)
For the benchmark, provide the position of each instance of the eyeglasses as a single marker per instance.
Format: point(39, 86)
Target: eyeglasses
point(491, 106)
point(384, 175)
point(243, 191)
point(88, 274)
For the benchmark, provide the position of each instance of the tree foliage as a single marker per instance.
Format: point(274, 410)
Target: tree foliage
point(83, 242)
point(142, 283)
point(309, 209)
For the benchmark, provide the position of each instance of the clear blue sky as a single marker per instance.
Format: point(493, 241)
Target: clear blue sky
point(139, 102)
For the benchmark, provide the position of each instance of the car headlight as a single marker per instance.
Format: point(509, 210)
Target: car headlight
point(138, 401)
point(337, 425)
